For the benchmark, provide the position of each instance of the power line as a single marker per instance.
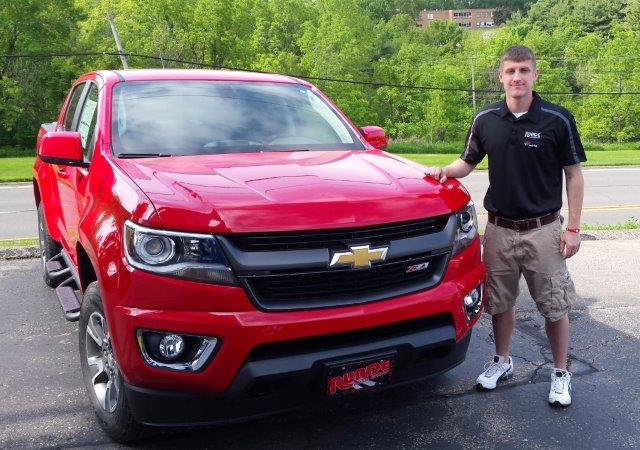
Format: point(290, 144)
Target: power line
point(306, 77)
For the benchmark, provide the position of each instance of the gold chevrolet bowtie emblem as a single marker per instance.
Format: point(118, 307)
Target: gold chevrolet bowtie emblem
point(360, 256)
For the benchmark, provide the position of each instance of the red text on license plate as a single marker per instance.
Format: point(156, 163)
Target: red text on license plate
point(359, 376)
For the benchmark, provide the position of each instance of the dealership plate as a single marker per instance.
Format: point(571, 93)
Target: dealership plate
point(362, 375)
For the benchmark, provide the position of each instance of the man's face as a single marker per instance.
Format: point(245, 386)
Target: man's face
point(518, 77)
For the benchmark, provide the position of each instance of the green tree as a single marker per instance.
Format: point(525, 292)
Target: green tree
point(340, 42)
point(31, 89)
point(154, 27)
point(598, 15)
point(277, 33)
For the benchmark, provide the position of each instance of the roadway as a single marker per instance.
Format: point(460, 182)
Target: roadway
point(612, 195)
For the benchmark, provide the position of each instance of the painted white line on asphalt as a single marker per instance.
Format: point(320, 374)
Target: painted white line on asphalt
point(603, 169)
point(16, 186)
point(18, 239)
point(15, 212)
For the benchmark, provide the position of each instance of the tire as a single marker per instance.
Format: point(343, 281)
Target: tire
point(48, 249)
point(100, 373)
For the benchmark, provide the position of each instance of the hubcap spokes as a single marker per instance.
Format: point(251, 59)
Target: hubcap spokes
point(103, 370)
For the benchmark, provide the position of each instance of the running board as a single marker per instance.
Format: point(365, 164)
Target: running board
point(57, 268)
point(68, 299)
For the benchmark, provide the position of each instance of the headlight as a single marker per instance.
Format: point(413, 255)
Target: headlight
point(467, 228)
point(192, 256)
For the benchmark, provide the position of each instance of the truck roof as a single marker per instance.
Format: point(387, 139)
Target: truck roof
point(197, 74)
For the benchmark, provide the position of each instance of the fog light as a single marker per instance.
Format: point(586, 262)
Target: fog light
point(171, 346)
point(470, 299)
point(183, 352)
point(473, 302)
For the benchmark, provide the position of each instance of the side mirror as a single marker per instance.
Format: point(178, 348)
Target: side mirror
point(61, 147)
point(375, 136)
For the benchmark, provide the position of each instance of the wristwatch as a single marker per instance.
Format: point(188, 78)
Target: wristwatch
point(573, 229)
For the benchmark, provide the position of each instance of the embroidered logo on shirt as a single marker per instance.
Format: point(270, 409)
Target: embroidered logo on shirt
point(531, 139)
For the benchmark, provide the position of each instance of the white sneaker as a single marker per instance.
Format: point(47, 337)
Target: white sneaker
point(496, 370)
point(560, 392)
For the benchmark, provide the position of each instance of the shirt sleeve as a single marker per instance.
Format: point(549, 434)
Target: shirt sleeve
point(570, 146)
point(473, 151)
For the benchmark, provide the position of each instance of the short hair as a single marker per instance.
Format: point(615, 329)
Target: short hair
point(518, 53)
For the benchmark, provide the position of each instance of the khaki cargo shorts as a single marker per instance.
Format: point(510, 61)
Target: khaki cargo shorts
point(535, 254)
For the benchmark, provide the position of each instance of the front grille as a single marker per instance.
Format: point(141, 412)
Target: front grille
point(334, 287)
point(301, 240)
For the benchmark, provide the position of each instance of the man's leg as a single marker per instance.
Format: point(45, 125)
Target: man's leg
point(501, 367)
point(553, 291)
point(558, 335)
point(501, 291)
point(503, 324)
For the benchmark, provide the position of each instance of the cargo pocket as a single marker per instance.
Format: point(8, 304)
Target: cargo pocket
point(501, 291)
point(562, 296)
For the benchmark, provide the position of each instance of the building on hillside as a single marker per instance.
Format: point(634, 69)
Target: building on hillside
point(465, 18)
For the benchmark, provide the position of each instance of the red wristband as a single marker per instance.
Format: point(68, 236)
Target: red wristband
point(573, 229)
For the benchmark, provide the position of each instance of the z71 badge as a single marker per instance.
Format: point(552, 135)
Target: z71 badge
point(417, 267)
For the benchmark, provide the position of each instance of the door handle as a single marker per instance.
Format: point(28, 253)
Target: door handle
point(62, 173)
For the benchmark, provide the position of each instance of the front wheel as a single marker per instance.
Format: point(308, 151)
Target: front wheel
point(100, 372)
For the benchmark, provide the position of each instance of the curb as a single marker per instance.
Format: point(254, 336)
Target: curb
point(20, 252)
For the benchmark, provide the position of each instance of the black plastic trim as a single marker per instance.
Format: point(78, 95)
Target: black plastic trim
point(63, 161)
point(267, 387)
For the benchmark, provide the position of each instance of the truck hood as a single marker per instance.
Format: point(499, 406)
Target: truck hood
point(284, 191)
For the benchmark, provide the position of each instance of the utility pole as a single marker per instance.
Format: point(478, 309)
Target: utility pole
point(116, 37)
point(619, 82)
point(473, 83)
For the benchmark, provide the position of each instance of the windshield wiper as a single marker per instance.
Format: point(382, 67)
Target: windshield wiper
point(142, 155)
point(288, 150)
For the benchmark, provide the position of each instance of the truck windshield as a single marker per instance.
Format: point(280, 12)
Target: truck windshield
point(170, 118)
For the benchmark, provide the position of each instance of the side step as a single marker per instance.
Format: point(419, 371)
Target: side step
point(68, 299)
point(57, 268)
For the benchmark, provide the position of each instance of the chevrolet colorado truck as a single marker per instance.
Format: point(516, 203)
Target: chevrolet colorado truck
point(232, 246)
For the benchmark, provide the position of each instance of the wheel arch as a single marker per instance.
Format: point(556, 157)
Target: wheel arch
point(86, 271)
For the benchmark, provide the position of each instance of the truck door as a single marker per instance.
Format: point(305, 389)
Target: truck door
point(72, 181)
point(62, 173)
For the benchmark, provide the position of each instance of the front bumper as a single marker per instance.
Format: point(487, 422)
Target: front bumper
point(165, 304)
point(268, 385)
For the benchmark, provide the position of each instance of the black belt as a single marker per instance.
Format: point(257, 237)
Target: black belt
point(525, 224)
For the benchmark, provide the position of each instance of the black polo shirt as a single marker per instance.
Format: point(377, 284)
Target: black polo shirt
point(526, 156)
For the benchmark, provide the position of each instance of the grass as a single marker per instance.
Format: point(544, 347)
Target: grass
point(16, 168)
point(631, 224)
point(27, 242)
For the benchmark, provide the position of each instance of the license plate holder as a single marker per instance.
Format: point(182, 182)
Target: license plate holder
point(359, 375)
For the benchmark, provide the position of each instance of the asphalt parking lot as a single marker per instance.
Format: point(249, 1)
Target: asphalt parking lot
point(44, 405)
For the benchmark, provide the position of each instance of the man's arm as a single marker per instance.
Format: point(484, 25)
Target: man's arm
point(570, 242)
point(457, 169)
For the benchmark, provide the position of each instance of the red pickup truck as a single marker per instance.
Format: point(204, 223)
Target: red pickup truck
point(232, 245)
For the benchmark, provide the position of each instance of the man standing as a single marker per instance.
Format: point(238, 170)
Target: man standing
point(529, 143)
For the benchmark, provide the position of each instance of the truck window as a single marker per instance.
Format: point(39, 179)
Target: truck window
point(72, 106)
point(87, 121)
point(212, 117)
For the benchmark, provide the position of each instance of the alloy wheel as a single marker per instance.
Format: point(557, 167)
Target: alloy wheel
point(103, 369)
